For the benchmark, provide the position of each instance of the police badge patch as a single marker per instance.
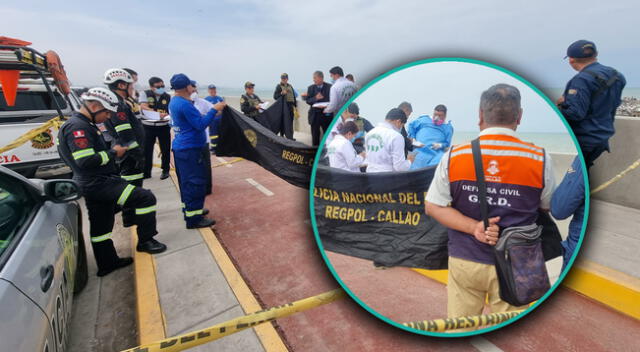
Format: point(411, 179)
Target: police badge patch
point(572, 91)
point(121, 115)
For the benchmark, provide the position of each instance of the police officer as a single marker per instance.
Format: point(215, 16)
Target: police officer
point(190, 139)
point(82, 147)
point(156, 99)
point(249, 102)
point(590, 99)
point(284, 89)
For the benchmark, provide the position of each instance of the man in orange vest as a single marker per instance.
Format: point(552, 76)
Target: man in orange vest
point(519, 180)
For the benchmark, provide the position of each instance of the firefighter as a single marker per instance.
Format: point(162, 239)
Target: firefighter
point(127, 131)
point(82, 147)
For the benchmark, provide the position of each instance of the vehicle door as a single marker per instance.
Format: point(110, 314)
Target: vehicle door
point(36, 235)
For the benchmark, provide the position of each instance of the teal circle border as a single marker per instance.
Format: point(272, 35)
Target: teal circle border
point(364, 305)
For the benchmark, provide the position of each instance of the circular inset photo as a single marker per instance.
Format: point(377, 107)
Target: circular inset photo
point(442, 196)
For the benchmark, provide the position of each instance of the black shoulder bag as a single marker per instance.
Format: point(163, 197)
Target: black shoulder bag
point(520, 263)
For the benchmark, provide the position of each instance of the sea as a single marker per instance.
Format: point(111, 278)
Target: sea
point(552, 93)
point(555, 93)
point(551, 142)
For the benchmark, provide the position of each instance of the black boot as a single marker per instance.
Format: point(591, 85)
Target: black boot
point(202, 223)
point(164, 175)
point(151, 246)
point(120, 263)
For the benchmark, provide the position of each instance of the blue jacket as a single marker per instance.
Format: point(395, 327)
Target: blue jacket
point(426, 132)
point(188, 125)
point(591, 115)
point(569, 199)
point(213, 100)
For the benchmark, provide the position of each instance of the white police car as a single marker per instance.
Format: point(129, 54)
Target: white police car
point(42, 261)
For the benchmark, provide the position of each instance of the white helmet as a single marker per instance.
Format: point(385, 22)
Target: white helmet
point(117, 74)
point(103, 96)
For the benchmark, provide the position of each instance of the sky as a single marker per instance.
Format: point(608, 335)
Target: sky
point(230, 42)
point(457, 85)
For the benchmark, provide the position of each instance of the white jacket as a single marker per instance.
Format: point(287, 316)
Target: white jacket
point(385, 149)
point(342, 155)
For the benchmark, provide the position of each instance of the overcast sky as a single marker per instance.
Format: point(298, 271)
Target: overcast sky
point(230, 42)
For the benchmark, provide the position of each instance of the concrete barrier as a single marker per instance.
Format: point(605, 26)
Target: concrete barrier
point(625, 149)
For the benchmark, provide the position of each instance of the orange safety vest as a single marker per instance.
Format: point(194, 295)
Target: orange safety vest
point(514, 174)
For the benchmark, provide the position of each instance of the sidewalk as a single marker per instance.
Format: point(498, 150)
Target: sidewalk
point(104, 317)
point(192, 290)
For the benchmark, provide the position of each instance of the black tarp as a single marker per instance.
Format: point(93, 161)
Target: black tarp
point(275, 117)
point(380, 217)
point(245, 137)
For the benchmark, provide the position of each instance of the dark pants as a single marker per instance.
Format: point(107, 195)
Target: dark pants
point(319, 122)
point(191, 169)
point(102, 202)
point(286, 128)
point(206, 157)
point(214, 126)
point(163, 134)
point(131, 171)
point(591, 153)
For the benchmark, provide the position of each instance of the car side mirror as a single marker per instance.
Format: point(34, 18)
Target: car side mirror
point(61, 191)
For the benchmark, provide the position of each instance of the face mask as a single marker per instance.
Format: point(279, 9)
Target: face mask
point(137, 86)
point(438, 122)
point(352, 139)
point(332, 80)
point(159, 91)
point(194, 95)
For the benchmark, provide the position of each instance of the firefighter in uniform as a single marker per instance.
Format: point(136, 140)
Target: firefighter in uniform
point(82, 147)
point(190, 139)
point(590, 99)
point(127, 131)
point(156, 99)
point(249, 102)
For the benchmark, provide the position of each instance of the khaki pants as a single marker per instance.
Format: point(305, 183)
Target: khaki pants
point(470, 285)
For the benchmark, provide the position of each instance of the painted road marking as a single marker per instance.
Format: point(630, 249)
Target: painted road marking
point(260, 187)
point(223, 161)
point(484, 345)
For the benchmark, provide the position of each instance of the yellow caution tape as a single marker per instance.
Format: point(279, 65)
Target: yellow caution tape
point(616, 177)
point(55, 122)
point(228, 162)
point(463, 322)
point(199, 337)
point(216, 165)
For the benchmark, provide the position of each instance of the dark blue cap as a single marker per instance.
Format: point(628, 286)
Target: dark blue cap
point(581, 49)
point(212, 86)
point(194, 84)
point(179, 81)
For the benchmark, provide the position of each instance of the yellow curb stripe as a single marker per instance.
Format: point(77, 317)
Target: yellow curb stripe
point(267, 334)
point(151, 321)
point(610, 287)
point(607, 286)
point(438, 275)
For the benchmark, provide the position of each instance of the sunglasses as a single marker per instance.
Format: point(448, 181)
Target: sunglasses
point(156, 87)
